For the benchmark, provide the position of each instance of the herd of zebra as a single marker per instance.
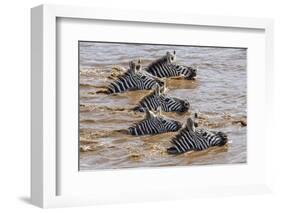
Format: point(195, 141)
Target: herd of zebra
point(189, 137)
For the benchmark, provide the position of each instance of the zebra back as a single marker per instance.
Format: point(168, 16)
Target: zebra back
point(133, 79)
point(154, 123)
point(167, 67)
point(161, 67)
point(159, 98)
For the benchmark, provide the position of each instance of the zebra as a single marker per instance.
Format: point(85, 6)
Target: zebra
point(133, 79)
point(191, 138)
point(167, 67)
point(154, 123)
point(159, 98)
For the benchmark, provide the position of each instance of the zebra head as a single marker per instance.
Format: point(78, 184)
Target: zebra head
point(141, 78)
point(154, 124)
point(166, 67)
point(159, 98)
point(188, 73)
point(134, 79)
point(191, 138)
point(134, 67)
point(220, 137)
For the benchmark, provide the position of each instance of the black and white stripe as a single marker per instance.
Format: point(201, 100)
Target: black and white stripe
point(133, 79)
point(154, 124)
point(190, 138)
point(167, 67)
point(159, 98)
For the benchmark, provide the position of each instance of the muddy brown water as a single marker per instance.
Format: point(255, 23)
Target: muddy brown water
point(218, 96)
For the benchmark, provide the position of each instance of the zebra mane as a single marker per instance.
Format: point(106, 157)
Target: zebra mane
point(157, 90)
point(144, 71)
point(179, 134)
point(163, 59)
point(188, 126)
point(125, 74)
point(148, 114)
point(128, 72)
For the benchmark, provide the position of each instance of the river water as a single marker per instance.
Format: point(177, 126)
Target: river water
point(219, 96)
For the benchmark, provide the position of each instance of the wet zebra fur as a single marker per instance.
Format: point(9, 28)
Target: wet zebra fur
point(190, 138)
point(133, 79)
point(154, 124)
point(167, 67)
point(159, 98)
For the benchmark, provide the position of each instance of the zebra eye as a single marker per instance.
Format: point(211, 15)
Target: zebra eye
point(167, 100)
point(143, 77)
point(172, 58)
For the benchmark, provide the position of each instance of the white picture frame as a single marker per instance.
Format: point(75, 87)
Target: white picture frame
point(44, 149)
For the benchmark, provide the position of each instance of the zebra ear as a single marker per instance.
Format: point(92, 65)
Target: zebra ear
point(190, 125)
point(132, 66)
point(159, 111)
point(195, 117)
point(157, 89)
point(148, 114)
point(174, 52)
point(163, 89)
point(138, 67)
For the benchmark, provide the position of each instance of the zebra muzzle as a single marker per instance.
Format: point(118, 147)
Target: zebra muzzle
point(223, 137)
point(172, 151)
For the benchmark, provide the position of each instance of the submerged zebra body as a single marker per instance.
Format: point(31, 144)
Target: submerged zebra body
point(167, 67)
point(159, 98)
point(190, 138)
point(154, 124)
point(133, 79)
